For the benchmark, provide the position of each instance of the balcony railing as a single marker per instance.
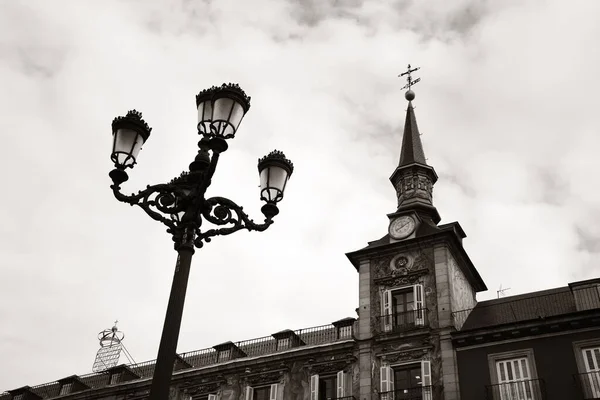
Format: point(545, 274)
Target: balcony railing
point(529, 389)
point(589, 384)
point(413, 393)
point(404, 321)
point(338, 398)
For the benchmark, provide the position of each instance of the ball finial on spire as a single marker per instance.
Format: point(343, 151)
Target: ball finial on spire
point(409, 95)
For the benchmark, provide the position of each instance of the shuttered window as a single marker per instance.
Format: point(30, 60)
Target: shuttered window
point(591, 360)
point(403, 307)
point(514, 379)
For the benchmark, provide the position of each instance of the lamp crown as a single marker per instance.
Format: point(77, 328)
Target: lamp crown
point(232, 89)
point(276, 157)
point(132, 120)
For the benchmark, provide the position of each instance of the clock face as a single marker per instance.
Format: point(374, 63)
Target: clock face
point(402, 227)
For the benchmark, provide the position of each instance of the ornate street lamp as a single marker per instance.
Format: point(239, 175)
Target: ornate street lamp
point(182, 206)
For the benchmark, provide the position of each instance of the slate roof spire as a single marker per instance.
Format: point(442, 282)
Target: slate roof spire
point(412, 148)
point(413, 179)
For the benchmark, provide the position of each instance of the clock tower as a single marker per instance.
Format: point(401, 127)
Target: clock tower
point(412, 281)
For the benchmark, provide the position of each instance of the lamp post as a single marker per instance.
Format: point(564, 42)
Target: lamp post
point(182, 205)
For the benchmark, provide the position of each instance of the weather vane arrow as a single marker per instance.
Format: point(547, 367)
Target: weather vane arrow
point(410, 82)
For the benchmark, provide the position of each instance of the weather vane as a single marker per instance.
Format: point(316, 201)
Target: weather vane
point(410, 95)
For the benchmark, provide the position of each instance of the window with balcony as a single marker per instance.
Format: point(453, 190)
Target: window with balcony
point(403, 308)
point(406, 382)
point(514, 377)
point(267, 392)
point(329, 386)
point(587, 355)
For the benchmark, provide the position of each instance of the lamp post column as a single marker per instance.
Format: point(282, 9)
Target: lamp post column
point(165, 360)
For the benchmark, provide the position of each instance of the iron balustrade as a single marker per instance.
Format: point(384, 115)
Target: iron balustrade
point(589, 384)
point(527, 389)
point(403, 321)
point(336, 398)
point(413, 393)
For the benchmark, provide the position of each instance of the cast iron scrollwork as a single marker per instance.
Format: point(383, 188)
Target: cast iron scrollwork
point(182, 207)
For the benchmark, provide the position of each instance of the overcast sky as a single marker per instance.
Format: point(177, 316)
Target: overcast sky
point(507, 106)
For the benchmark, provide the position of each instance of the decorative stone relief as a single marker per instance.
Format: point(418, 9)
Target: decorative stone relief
point(401, 280)
point(266, 375)
point(330, 366)
point(414, 355)
point(461, 292)
point(203, 387)
point(401, 264)
point(137, 395)
point(424, 342)
point(414, 184)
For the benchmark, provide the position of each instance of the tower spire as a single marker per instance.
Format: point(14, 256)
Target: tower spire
point(412, 148)
point(413, 179)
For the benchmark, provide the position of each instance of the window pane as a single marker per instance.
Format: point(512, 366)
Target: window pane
point(262, 393)
point(524, 368)
point(327, 387)
point(596, 359)
point(509, 371)
point(407, 377)
point(517, 370)
point(501, 368)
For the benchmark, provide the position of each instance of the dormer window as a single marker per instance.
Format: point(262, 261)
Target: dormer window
point(224, 355)
point(65, 389)
point(71, 384)
point(114, 378)
point(344, 328)
point(287, 339)
point(228, 351)
point(283, 344)
point(345, 332)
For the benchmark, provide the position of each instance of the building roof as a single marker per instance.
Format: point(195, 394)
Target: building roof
point(524, 307)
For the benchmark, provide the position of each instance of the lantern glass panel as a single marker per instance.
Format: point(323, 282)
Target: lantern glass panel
point(204, 116)
point(236, 115)
point(127, 145)
point(272, 183)
point(222, 113)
